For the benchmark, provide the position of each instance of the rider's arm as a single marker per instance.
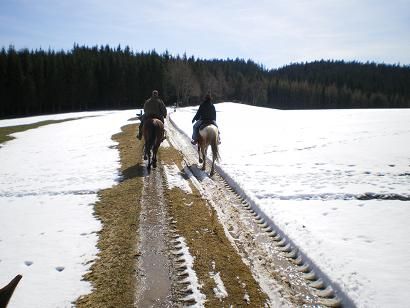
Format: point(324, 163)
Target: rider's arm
point(198, 114)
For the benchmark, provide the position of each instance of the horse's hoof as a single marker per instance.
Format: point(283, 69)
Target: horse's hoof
point(200, 161)
point(154, 165)
point(145, 157)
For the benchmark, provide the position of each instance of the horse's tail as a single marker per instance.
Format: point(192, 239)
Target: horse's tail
point(215, 146)
point(149, 135)
point(160, 133)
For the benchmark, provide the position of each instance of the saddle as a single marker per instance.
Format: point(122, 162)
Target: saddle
point(155, 117)
point(205, 124)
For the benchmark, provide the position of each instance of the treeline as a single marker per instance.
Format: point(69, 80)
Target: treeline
point(102, 77)
point(339, 84)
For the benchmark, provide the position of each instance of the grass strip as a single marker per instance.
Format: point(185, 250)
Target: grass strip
point(112, 275)
point(6, 131)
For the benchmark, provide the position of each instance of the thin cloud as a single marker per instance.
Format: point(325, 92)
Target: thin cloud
point(273, 33)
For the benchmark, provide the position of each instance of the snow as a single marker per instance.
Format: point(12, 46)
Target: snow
point(61, 116)
point(332, 181)
point(49, 178)
point(219, 290)
point(192, 278)
point(175, 178)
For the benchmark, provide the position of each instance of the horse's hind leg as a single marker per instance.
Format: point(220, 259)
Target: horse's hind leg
point(203, 159)
point(199, 154)
point(154, 157)
point(145, 153)
point(148, 154)
point(213, 167)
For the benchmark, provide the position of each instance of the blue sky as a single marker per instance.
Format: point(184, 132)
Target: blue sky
point(273, 33)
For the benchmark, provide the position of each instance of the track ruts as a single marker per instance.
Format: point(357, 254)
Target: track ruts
point(272, 257)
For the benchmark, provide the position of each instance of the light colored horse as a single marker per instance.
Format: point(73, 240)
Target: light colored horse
point(208, 136)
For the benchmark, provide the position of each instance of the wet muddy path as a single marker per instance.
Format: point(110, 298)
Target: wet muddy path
point(197, 243)
point(154, 268)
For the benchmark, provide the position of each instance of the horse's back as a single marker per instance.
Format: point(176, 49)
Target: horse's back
point(154, 122)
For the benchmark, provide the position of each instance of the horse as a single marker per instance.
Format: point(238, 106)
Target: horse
point(7, 291)
point(153, 132)
point(208, 136)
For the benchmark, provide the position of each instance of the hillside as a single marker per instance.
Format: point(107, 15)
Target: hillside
point(339, 84)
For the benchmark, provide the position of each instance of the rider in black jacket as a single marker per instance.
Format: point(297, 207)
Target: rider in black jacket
point(206, 114)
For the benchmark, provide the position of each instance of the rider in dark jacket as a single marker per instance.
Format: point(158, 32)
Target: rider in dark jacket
point(154, 107)
point(206, 114)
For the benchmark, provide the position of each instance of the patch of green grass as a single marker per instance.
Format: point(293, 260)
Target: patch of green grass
point(5, 132)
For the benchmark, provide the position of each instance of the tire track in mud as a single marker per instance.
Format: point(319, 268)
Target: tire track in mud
point(154, 279)
point(165, 274)
point(280, 268)
point(208, 267)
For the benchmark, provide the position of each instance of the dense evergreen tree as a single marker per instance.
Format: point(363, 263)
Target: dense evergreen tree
point(102, 77)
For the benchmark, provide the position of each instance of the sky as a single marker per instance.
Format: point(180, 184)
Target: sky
point(273, 33)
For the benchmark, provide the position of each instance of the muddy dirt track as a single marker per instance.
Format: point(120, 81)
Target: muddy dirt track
point(195, 243)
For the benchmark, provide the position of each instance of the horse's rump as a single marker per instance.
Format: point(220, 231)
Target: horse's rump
point(153, 127)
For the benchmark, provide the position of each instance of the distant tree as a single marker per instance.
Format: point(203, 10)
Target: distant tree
point(182, 81)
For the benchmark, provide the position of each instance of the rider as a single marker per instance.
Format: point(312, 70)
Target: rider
point(206, 114)
point(154, 107)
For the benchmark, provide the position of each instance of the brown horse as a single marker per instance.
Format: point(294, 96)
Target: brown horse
point(153, 131)
point(208, 136)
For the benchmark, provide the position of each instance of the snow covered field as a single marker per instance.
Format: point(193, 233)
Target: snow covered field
point(49, 177)
point(332, 181)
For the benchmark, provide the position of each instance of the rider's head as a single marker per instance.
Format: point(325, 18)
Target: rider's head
point(155, 93)
point(208, 97)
